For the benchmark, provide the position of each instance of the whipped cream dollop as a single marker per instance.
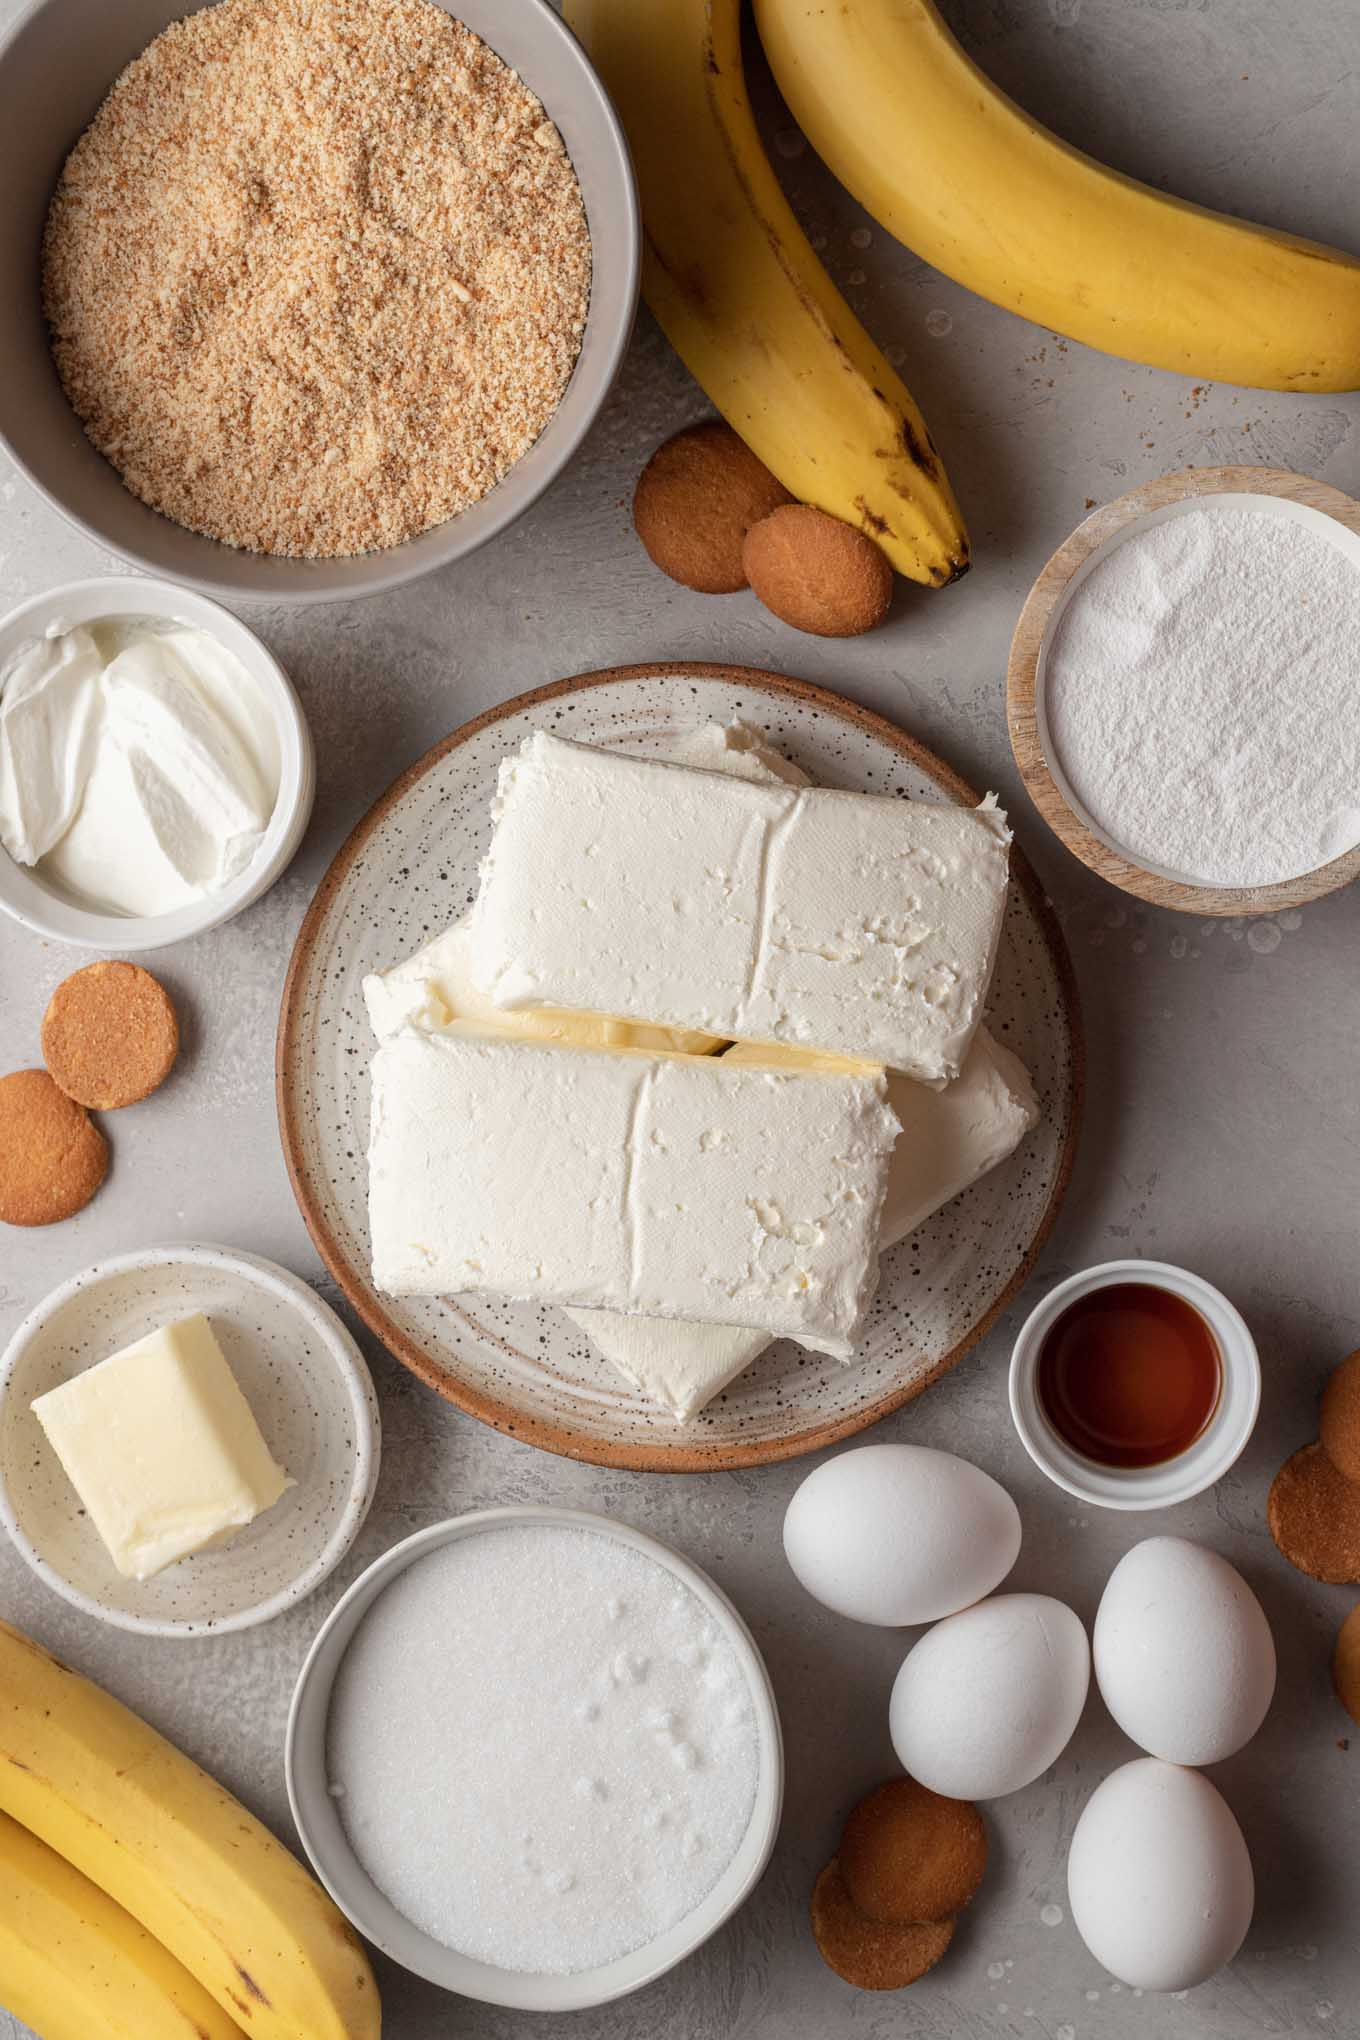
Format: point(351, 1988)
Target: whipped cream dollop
point(139, 764)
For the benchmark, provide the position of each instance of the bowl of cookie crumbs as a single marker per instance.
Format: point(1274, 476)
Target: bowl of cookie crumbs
point(368, 280)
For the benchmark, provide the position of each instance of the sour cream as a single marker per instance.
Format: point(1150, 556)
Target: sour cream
point(139, 764)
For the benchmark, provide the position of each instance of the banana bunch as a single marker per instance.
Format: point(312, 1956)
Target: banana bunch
point(75, 1966)
point(743, 299)
point(194, 1919)
point(957, 171)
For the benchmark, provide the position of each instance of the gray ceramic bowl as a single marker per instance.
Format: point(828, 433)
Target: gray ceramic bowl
point(56, 65)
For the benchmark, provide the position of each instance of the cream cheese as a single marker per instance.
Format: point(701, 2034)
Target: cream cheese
point(950, 1137)
point(801, 916)
point(438, 985)
point(949, 1140)
point(680, 1366)
point(139, 765)
point(672, 1186)
point(738, 749)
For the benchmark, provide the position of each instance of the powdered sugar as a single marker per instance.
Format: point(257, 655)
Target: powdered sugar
point(1202, 696)
point(544, 1747)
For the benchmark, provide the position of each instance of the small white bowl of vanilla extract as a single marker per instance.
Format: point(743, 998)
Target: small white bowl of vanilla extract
point(1135, 1385)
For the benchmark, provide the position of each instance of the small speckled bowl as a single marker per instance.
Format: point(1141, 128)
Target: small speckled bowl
point(302, 1375)
point(349, 1884)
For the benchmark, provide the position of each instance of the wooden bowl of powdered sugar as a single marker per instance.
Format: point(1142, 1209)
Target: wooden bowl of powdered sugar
point(1184, 691)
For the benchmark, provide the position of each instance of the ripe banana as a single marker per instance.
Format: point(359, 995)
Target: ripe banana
point(75, 1966)
point(175, 1850)
point(743, 299)
point(954, 168)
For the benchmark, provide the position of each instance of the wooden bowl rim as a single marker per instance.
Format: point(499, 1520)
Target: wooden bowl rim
point(1022, 675)
point(684, 1456)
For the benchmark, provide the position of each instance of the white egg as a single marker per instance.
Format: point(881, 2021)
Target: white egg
point(1159, 1877)
point(1184, 1658)
point(898, 1534)
point(990, 1698)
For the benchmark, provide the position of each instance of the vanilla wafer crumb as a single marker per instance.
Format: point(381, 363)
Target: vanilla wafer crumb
point(317, 273)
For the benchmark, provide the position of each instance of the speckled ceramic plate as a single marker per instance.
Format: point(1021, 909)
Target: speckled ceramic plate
point(410, 868)
point(302, 1375)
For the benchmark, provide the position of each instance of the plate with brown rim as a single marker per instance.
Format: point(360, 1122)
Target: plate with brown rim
point(410, 868)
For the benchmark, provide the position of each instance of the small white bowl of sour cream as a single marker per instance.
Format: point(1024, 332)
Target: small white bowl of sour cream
point(194, 797)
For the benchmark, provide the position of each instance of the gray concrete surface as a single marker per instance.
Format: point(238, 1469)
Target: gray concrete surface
point(1223, 1125)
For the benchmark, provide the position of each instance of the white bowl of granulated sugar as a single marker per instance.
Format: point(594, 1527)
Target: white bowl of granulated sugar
point(1184, 691)
point(300, 384)
point(534, 1755)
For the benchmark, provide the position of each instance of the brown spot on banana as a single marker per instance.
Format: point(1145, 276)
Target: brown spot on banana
point(251, 1986)
point(918, 449)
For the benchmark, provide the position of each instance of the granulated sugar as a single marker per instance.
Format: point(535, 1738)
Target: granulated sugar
point(1203, 697)
point(543, 1747)
point(316, 273)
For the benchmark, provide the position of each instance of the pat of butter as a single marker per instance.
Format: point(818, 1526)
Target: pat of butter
point(161, 1447)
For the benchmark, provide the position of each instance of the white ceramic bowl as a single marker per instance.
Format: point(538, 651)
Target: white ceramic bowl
point(57, 63)
point(324, 1838)
point(1205, 1461)
point(302, 1375)
point(23, 892)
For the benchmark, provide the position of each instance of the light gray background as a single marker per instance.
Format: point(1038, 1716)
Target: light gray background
point(1223, 1119)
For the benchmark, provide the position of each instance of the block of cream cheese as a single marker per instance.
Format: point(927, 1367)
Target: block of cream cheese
point(437, 984)
point(673, 1186)
point(803, 916)
point(949, 1139)
point(161, 1447)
